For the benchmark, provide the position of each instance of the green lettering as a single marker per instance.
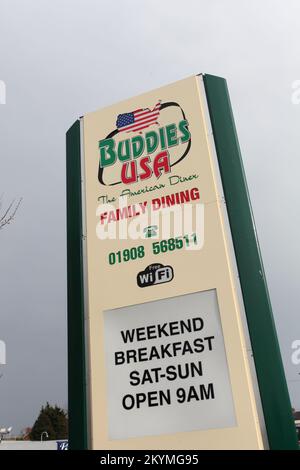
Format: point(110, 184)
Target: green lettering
point(171, 131)
point(138, 146)
point(162, 138)
point(107, 153)
point(124, 150)
point(151, 141)
point(184, 129)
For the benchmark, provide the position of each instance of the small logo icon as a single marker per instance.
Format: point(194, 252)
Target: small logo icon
point(150, 231)
point(62, 445)
point(155, 274)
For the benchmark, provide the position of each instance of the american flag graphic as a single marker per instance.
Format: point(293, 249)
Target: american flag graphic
point(139, 119)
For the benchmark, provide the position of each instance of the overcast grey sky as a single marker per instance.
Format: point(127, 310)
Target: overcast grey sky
point(63, 58)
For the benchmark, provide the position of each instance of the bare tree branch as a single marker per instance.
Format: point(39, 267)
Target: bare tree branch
point(8, 216)
point(7, 211)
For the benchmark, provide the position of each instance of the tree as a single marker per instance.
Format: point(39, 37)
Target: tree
point(53, 420)
point(25, 433)
point(7, 215)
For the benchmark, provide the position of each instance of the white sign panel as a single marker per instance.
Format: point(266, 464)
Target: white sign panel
point(166, 367)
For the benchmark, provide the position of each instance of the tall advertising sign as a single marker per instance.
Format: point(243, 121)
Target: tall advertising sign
point(171, 338)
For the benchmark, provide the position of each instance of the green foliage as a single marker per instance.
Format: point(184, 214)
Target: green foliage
point(53, 420)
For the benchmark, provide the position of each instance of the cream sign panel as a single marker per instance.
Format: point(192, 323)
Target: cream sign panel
point(168, 365)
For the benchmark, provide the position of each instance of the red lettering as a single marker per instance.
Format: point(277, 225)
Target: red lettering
point(145, 167)
point(133, 173)
point(161, 163)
